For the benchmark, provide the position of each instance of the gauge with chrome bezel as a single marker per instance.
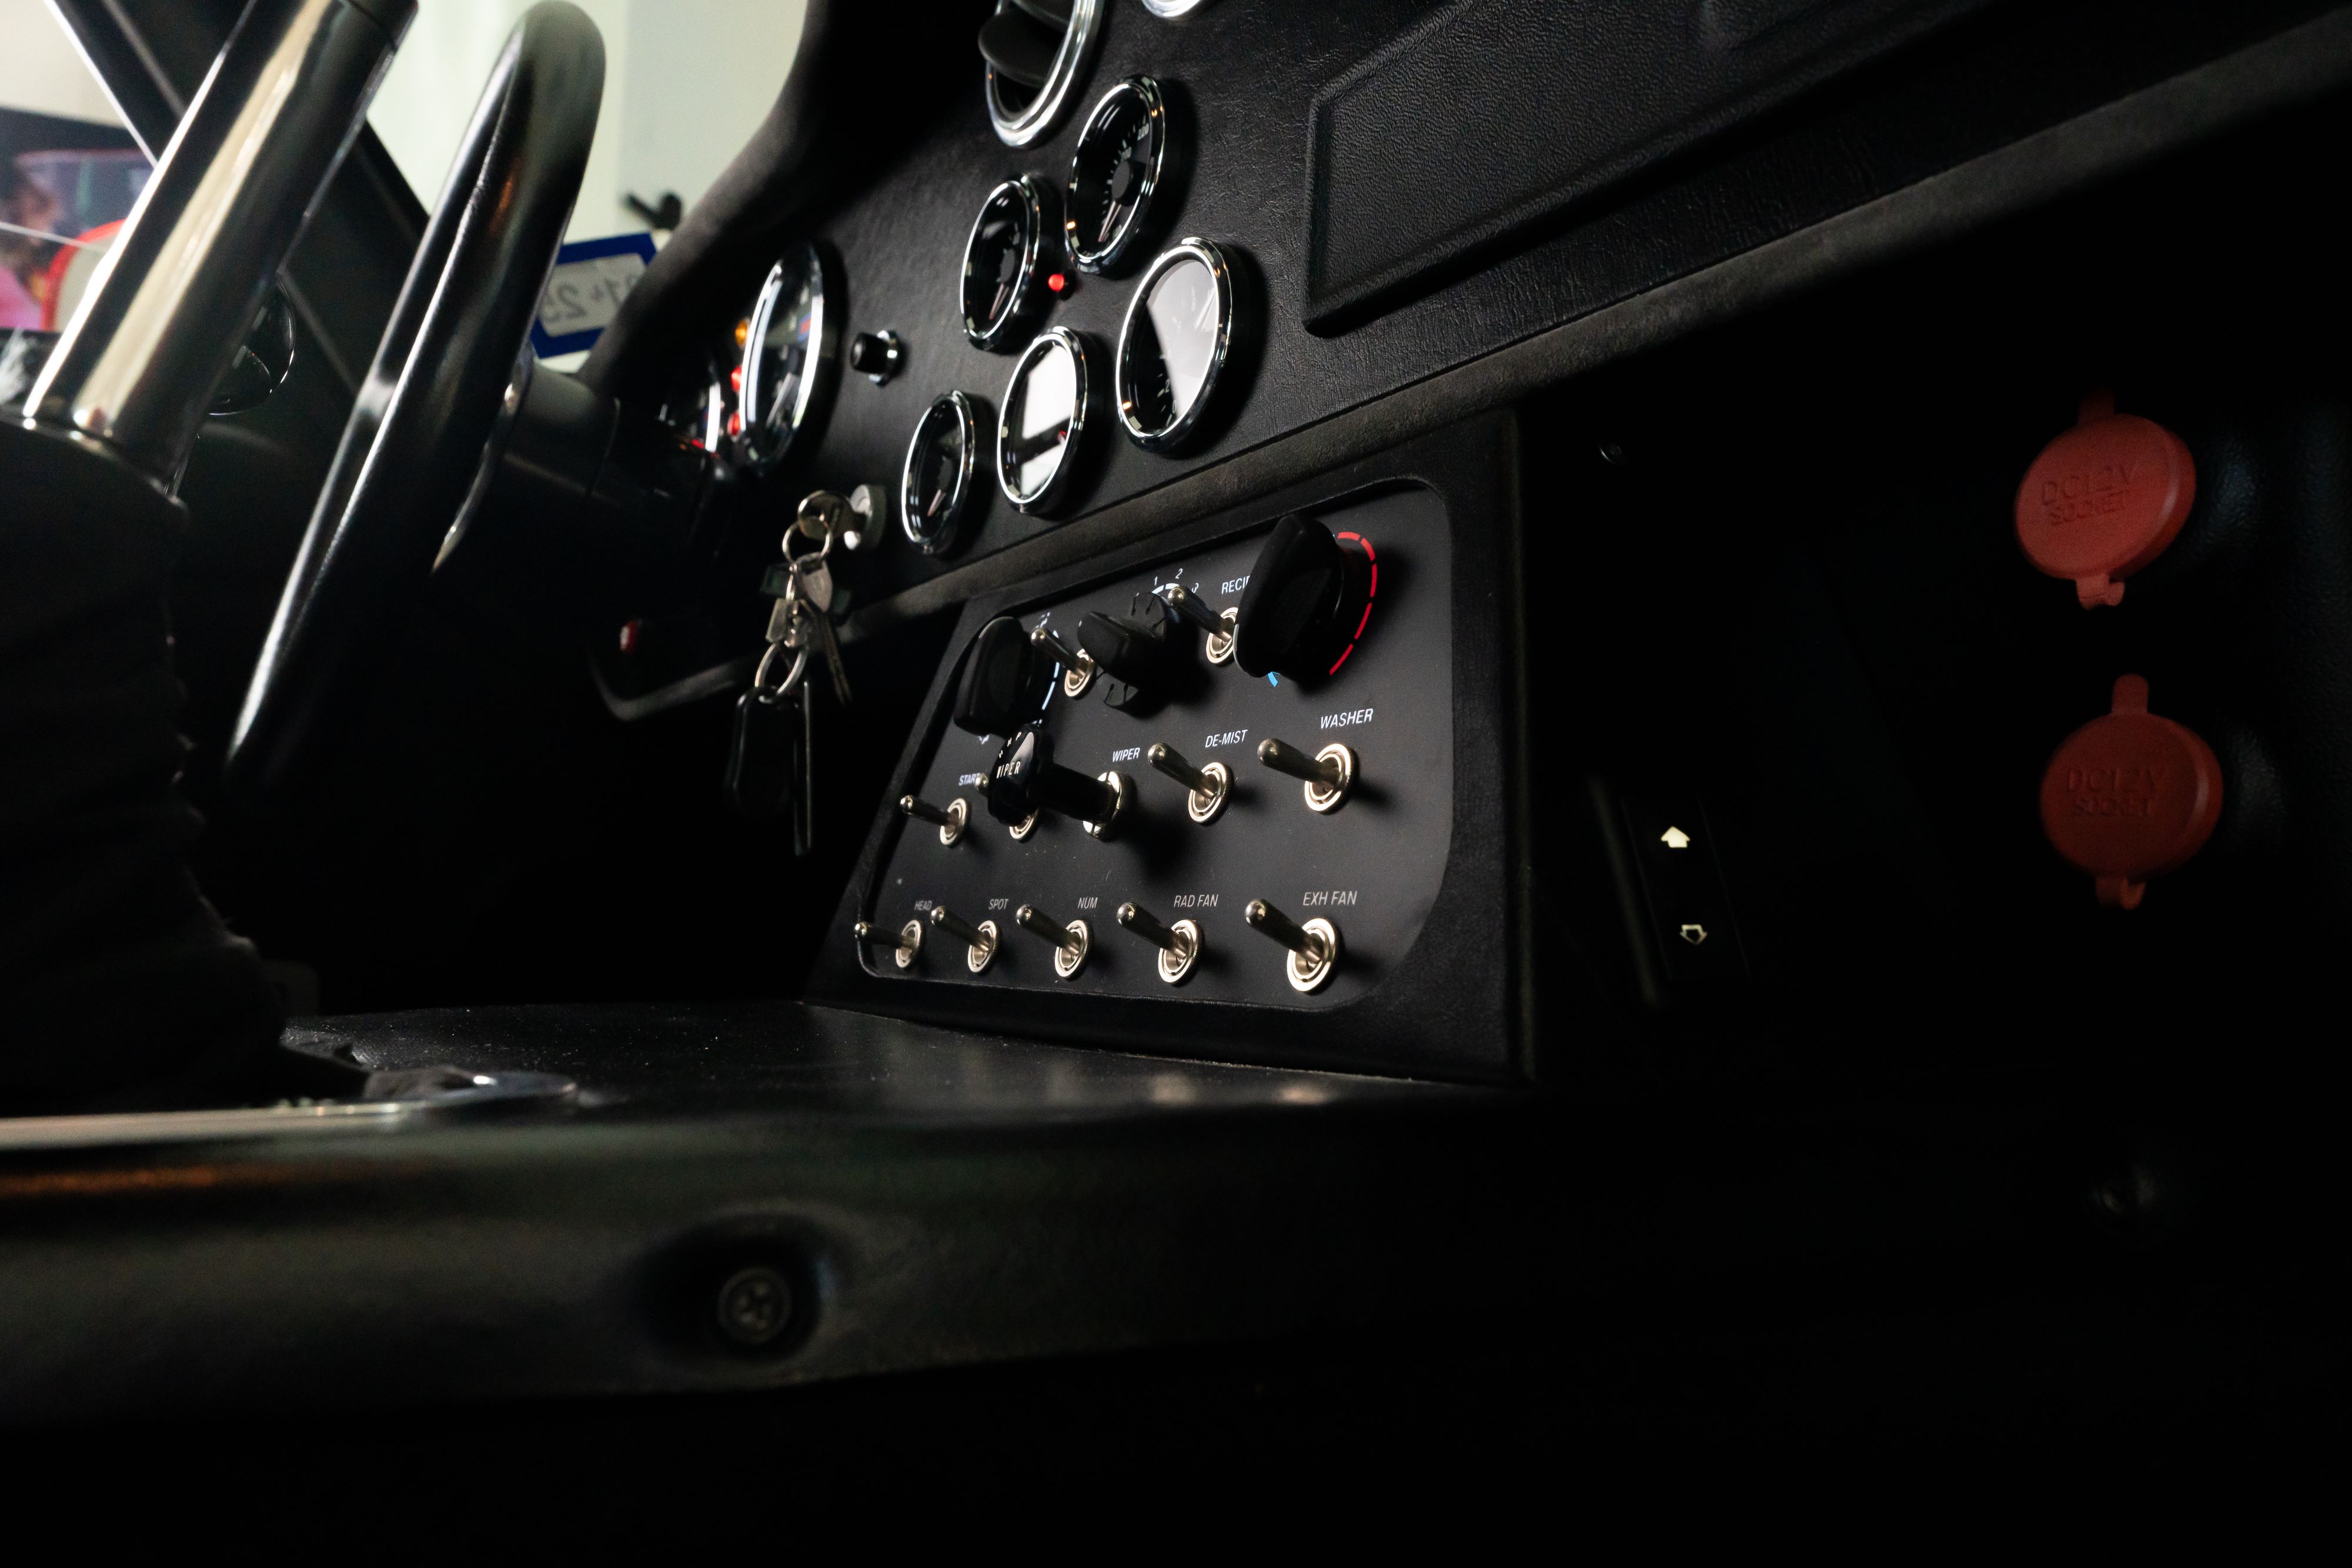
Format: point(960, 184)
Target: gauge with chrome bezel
point(790, 356)
point(1043, 420)
point(1007, 262)
point(1119, 166)
point(1173, 344)
point(934, 487)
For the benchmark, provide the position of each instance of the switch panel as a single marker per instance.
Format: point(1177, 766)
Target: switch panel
point(1160, 791)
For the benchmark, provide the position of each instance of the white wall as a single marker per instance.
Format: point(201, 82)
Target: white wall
point(41, 70)
point(686, 83)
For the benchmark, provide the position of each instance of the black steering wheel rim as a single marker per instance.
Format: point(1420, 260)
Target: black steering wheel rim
point(455, 350)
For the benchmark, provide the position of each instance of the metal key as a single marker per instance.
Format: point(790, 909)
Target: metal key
point(818, 627)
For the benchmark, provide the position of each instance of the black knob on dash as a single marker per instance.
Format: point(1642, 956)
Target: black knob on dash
point(1026, 779)
point(1141, 652)
point(1305, 603)
point(1005, 681)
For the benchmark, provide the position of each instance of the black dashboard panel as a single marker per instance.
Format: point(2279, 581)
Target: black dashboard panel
point(1419, 869)
point(1372, 866)
point(1242, 79)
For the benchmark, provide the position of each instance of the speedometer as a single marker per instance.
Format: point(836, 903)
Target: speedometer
point(790, 355)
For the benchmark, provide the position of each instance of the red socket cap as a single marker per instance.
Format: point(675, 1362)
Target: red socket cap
point(2130, 796)
point(2104, 499)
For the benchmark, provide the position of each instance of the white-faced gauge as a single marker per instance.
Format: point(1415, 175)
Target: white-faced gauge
point(1007, 263)
point(1120, 165)
point(935, 484)
point(791, 354)
point(1173, 344)
point(1043, 420)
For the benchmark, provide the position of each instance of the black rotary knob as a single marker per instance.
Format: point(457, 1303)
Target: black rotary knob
point(1005, 681)
point(1145, 654)
point(1026, 780)
point(1306, 599)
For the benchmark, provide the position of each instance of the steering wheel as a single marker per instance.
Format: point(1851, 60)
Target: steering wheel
point(422, 441)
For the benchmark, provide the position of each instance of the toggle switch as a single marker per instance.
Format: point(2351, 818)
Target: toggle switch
point(1216, 627)
point(1026, 779)
point(1078, 667)
point(903, 943)
point(1205, 786)
point(950, 821)
point(1071, 942)
point(980, 939)
point(2130, 796)
point(1326, 776)
point(1179, 945)
point(1314, 947)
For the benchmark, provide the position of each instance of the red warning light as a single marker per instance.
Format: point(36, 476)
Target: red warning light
point(1057, 282)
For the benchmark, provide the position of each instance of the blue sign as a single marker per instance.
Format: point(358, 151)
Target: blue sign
point(584, 291)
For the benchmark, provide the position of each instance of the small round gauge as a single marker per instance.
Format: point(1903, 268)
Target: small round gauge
point(935, 487)
point(1178, 333)
point(791, 357)
point(1044, 418)
point(701, 404)
point(1122, 160)
point(1004, 263)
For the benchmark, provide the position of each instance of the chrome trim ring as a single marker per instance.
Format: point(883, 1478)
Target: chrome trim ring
point(941, 534)
point(1069, 958)
point(1122, 391)
point(807, 265)
point(1027, 282)
point(1028, 825)
point(1169, 9)
point(977, 959)
point(1307, 974)
point(1007, 468)
point(1205, 806)
point(1107, 256)
point(1322, 797)
point(1036, 120)
point(1176, 966)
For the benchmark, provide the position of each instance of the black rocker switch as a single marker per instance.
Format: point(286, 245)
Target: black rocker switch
point(1305, 601)
point(1144, 655)
point(1005, 680)
point(1027, 780)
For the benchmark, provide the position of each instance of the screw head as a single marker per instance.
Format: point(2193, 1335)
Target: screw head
point(755, 1306)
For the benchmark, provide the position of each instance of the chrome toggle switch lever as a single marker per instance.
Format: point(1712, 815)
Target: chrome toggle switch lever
point(1071, 942)
point(1314, 947)
point(1329, 775)
point(981, 938)
point(1218, 628)
point(1078, 667)
point(1179, 945)
point(950, 821)
point(1026, 780)
point(903, 943)
point(1206, 785)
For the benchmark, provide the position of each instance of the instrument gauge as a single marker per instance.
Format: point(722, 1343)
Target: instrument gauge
point(791, 357)
point(1173, 344)
point(1002, 289)
point(1119, 165)
point(701, 405)
point(1044, 417)
point(935, 484)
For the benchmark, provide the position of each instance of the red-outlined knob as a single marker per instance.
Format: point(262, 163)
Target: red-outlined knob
point(2104, 499)
point(2130, 796)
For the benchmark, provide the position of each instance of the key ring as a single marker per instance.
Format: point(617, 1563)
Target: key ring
point(793, 677)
